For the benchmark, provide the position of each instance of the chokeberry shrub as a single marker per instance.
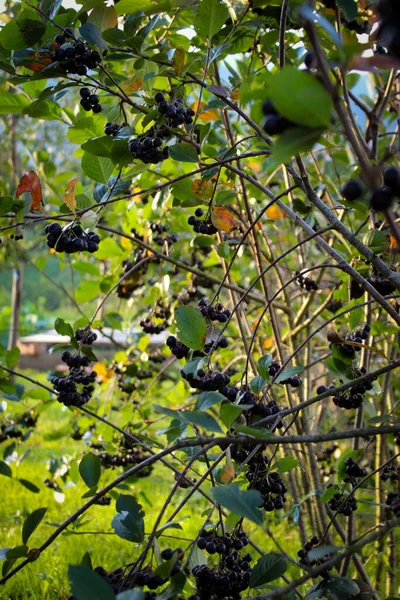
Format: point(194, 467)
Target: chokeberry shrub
point(208, 407)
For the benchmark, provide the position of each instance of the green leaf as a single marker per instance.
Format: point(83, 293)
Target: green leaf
point(192, 327)
point(329, 493)
point(87, 560)
point(87, 291)
point(257, 384)
point(7, 386)
point(244, 503)
point(268, 568)
point(100, 146)
point(286, 464)
point(92, 34)
point(212, 14)
point(31, 522)
point(290, 372)
point(261, 434)
point(12, 357)
point(115, 37)
point(322, 551)
point(63, 328)
point(263, 364)
point(6, 202)
point(229, 413)
point(5, 469)
point(17, 552)
point(349, 8)
point(300, 97)
point(183, 152)
point(294, 141)
point(224, 250)
point(341, 466)
point(90, 469)
point(12, 104)
point(191, 417)
point(88, 585)
point(208, 399)
point(29, 485)
point(129, 522)
point(355, 317)
point(98, 168)
point(336, 588)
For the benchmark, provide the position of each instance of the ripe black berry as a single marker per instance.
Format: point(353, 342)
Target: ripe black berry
point(381, 199)
point(352, 190)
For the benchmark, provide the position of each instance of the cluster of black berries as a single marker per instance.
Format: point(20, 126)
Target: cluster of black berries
point(125, 458)
point(294, 381)
point(381, 284)
point(390, 472)
point(232, 575)
point(72, 239)
point(356, 337)
point(74, 55)
point(147, 146)
point(389, 25)
point(383, 196)
point(160, 238)
point(214, 313)
point(203, 226)
point(113, 128)
point(16, 237)
point(353, 398)
point(90, 101)
point(214, 345)
point(306, 283)
point(151, 328)
point(9, 430)
point(343, 504)
point(353, 470)
point(393, 500)
point(334, 306)
point(274, 123)
point(76, 388)
point(133, 282)
point(174, 111)
point(85, 336)
point(140, 578)
point(268, 483)
point(177, 348)
point(306, 563)
point(206, 381)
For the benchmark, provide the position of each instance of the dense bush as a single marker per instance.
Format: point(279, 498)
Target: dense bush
point(219, 181)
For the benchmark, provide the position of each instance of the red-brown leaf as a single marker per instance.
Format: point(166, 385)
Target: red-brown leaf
point(30, 182)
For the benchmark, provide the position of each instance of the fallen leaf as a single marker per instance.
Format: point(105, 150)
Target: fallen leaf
point(178, 60)
point(274, 212)
point(202, 188)
point(223, 219)
point(69, 196)
point(30, 182)
point(228, 473)
point(207, 115)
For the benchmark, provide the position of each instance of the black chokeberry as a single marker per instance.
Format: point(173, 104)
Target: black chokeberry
point(352, 190)
point(381, 199)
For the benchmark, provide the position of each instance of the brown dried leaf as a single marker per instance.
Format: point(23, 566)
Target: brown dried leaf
point(132, 84)
point(228, 473)
point(30, 182)
point(223, 219)
point(69, 196)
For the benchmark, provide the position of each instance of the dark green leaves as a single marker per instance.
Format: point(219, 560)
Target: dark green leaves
point(300, 97)
point(90, 470)
point(349, 8)
point(212, 14)
point(5, 469)
point(97, 168)
point(192, 327)
point(191, 417)
point(183, 152)
point(31, 522)
point(287, 373)
point(335, 588)
point(129, 522)
point(243, 503)
point(268, 568)
point(63, 328)
point(208, 399)
point(12, 357)
point(88, 585)
point(293, 141)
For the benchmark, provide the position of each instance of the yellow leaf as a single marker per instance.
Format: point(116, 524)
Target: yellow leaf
point(132, 84)
point(178, 60)
point(202, 189)
point(274, 213)
point(235, 96)
point(208, 115)
point(254, 166)
point(125, 243)
point(268, 343)
point(223, 219)
point(102, 371)
point(227, 473)
point(69, 196)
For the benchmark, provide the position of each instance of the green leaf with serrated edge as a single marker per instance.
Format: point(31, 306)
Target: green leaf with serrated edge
point(244, 503)
point(268, 568)
point(63, 328)
point(31, 522)
point(286, 464)
point(5, 469)
point(308, 103)
point(229, 413)
point(88, 585)
point(211, 16)
point(98, 168)
point(100, 146)
point(191, 418)
point(261, 434)
point(133, 516)
point(263, 364)
point(257, 384)
point(29, 485)
point(90, 469)
point(208, 399)
point(289, 372)
point(183, 152)
point(323, 551)
point(192, 327)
